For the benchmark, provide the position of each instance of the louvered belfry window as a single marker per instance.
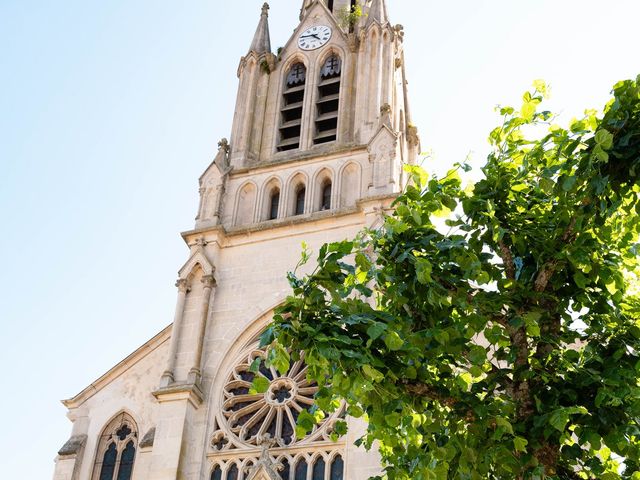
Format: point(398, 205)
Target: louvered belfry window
point(326, 126)
point(291, 113)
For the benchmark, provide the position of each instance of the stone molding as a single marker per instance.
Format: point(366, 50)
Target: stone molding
point(178, 393)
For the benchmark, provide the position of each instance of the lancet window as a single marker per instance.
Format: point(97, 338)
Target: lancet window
point(291, 112)
point(301, 193)
point(116, 450)
point(253, 426)
point(328, 103)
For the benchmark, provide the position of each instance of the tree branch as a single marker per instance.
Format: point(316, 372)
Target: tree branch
point(507, 259)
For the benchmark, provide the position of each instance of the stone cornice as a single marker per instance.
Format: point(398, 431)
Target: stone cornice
point(300, 157)
point(177, 393)
point(119, 369)
point(310, 219)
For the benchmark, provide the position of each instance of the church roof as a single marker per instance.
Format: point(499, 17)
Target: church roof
point(262, 40)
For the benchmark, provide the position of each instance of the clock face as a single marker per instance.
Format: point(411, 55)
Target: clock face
point(314, 37)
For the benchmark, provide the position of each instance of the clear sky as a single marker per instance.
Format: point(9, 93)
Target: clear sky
point(110, 110)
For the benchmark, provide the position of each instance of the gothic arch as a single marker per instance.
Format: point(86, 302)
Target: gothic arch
point(350, 184)
point(296, 181)
point(321, 179)
point(245, 205)
point(116, 448)
point(197, 259)
point(268, 189)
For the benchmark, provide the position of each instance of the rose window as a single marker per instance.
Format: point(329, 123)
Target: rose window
point(250, 417)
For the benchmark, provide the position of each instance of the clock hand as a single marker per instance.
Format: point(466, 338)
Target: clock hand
point(307, 36)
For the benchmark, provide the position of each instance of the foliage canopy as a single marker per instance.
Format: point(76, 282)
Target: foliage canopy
point(491, 331)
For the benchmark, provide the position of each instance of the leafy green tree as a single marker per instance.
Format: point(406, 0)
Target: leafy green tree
point(491, 331)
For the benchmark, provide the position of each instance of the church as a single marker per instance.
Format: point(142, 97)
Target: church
point(320, 134)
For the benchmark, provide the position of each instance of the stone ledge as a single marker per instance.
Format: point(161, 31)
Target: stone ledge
point(179, 392)
point(73, 446)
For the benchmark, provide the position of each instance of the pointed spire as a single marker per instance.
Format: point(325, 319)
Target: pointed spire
point(262, 40)
point(377, 12)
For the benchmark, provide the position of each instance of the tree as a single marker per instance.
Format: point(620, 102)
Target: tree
point(492, 331)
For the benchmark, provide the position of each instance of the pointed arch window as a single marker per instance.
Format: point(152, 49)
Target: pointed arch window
point(116, 450)
point(274, 204)
point(326, 196)
point(292, 103)
point(300, 196)
point(328, 103)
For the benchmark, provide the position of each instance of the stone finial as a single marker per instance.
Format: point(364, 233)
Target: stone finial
point(385, 115)
point(222, 158)
point(262, 40)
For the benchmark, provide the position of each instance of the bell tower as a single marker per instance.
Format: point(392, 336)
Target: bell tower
point(335, 94)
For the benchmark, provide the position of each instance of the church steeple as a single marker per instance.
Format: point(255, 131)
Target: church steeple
point(261, 40)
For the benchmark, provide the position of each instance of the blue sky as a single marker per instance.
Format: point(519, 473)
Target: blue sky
point(109, 112)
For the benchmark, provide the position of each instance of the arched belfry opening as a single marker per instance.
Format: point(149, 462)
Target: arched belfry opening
point(328, 103)
point(292, 104)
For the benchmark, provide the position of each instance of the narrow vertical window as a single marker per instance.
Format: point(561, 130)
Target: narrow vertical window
point(301, 470)
point(318, 469)
point(285, 473)
point(232, 474)
point(300, 194)
point(274, 204)
point(126, 462)
point(337, 469)
point(330, 4)
point(109, 463)
point(217, 473)
point(327, 106)
point(326, 197)
point(291, 113)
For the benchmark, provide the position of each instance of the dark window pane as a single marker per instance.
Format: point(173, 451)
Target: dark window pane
point(326, 197)
point(217, 473)
point(286, 470)
point(318, 469)
point(124, 432)
point(300, 201)
point(126, 462)
point(330, 5)
point(109, 463)
point(232, 474)
point(275, 202)
point(301, 470)
point(337, 468)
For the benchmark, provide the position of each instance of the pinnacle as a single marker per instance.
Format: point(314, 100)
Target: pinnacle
point(377, 12)
point(262, 41)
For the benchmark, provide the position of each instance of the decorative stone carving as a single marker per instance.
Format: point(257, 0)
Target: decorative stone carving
point(249, 418)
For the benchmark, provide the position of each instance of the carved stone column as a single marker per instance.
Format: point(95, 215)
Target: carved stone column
point(183, 289)
point(195, 373)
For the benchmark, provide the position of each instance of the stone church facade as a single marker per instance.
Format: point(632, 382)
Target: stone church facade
point(320, 133)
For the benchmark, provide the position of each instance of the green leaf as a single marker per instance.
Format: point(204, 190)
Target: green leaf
point(464, 381)
point(393, 341)
point(375, 330)
point(604, 139)
point(260, 384)
point(581, 280)
point(520, 444)
point(528, 110)
point(255, 365)
point(372, 373)
point(423, 270)
point(477, 355)
point(520, 187)
point(504, 424)
point(569, 183)
point(612, 287)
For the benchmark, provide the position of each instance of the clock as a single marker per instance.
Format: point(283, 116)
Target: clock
point(314, 37)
